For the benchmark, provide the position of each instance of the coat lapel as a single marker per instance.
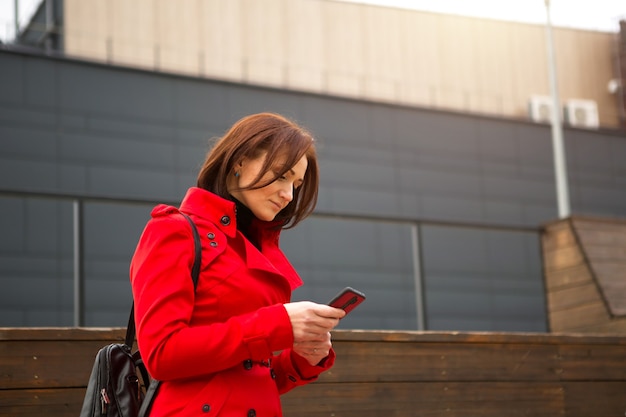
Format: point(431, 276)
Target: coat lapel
point(271, 259)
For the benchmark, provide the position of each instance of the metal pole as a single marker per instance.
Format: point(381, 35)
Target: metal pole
point(16, 15)
point(49, 25)
point(560, 166)
point(79, 268)
point(417, 276)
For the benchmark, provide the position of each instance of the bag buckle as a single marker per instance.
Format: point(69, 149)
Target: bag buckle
point(104, 400)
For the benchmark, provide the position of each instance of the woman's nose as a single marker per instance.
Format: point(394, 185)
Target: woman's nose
point(287, 193)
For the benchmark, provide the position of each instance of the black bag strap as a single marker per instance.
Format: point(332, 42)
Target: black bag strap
point(195, 270)
point(195, 274)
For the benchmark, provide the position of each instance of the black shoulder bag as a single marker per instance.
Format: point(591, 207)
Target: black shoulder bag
point(114, 388)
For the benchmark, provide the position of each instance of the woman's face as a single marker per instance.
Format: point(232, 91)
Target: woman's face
point(265, 203)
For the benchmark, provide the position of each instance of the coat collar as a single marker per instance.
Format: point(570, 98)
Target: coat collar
point(206, 205)
point(221, 212)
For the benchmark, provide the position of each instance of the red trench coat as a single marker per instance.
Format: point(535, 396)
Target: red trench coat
point(224, 350)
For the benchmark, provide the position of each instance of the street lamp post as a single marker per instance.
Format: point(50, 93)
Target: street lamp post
point(560, 166)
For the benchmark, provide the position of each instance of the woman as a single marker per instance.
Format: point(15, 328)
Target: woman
point(230, 347)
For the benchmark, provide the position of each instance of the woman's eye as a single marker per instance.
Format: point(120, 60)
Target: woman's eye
point(278, 176)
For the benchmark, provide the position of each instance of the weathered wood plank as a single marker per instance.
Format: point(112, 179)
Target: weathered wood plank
point(28, 364)
point(477, 362)
point(482, 399)
point(476, 337)
point(558, 237)
point(611, 269)
point(598, 236)
point(600, 225)
point(8, 334)
point(578, 399)
point(59, 402)
point(611, 277)
point(571, 297)
point(579, 318)
point(597, 399)
point(566, 257)
point(565, 277)
point(591, 363)
point(609, 327)
point(596, 253)
point(443, 362)
point(104, 334)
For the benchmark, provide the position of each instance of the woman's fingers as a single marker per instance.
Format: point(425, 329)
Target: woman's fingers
point(311, 321)
point(314, 352)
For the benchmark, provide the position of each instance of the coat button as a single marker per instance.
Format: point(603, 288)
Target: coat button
point(213, 244)
point(247, 364)
point(210, 235)
point(273, 374)
point(206, 408)
point(225, 220)
point(252, 412)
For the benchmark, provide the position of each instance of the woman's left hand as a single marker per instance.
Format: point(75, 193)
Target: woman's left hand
point(314, 352)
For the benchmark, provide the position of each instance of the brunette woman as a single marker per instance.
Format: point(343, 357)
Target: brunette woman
point(235, 343)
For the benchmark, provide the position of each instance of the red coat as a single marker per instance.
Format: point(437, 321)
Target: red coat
point(211, 348)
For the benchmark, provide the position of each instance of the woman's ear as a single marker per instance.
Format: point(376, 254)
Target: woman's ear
point(237, 168)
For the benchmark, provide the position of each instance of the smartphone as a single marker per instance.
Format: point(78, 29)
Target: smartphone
point(347, 299)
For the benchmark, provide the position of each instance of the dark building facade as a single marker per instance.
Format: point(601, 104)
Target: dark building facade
point(435, 215)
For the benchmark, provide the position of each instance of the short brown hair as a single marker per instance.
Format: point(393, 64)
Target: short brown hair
point(280, 138)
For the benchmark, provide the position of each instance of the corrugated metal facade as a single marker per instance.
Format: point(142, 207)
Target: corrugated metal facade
point(396, 181)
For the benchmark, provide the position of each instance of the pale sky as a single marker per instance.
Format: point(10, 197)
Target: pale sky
point(7, 21)
point(601, 15)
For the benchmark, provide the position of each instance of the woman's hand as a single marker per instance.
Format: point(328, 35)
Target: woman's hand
point(311, 324)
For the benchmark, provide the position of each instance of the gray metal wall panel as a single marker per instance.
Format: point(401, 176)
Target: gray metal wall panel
point(373, 257)
point(89, 129)
point(143, 125)
point(35, 262)
point(482, 280)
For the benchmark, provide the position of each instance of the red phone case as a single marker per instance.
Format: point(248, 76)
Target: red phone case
point(347, 299)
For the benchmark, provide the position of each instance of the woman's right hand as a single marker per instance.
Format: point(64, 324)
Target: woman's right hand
point(311, 324)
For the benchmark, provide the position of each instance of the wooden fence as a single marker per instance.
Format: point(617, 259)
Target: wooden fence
point(44, 372)
point(585, 274)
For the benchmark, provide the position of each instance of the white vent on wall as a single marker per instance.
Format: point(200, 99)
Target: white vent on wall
point(540, 108)
point(582, 113)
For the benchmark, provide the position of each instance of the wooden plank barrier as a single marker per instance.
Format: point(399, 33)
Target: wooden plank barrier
point(585, 274)
point(44, 371)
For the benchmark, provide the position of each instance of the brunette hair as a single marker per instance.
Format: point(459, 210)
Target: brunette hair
point(282, 139)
